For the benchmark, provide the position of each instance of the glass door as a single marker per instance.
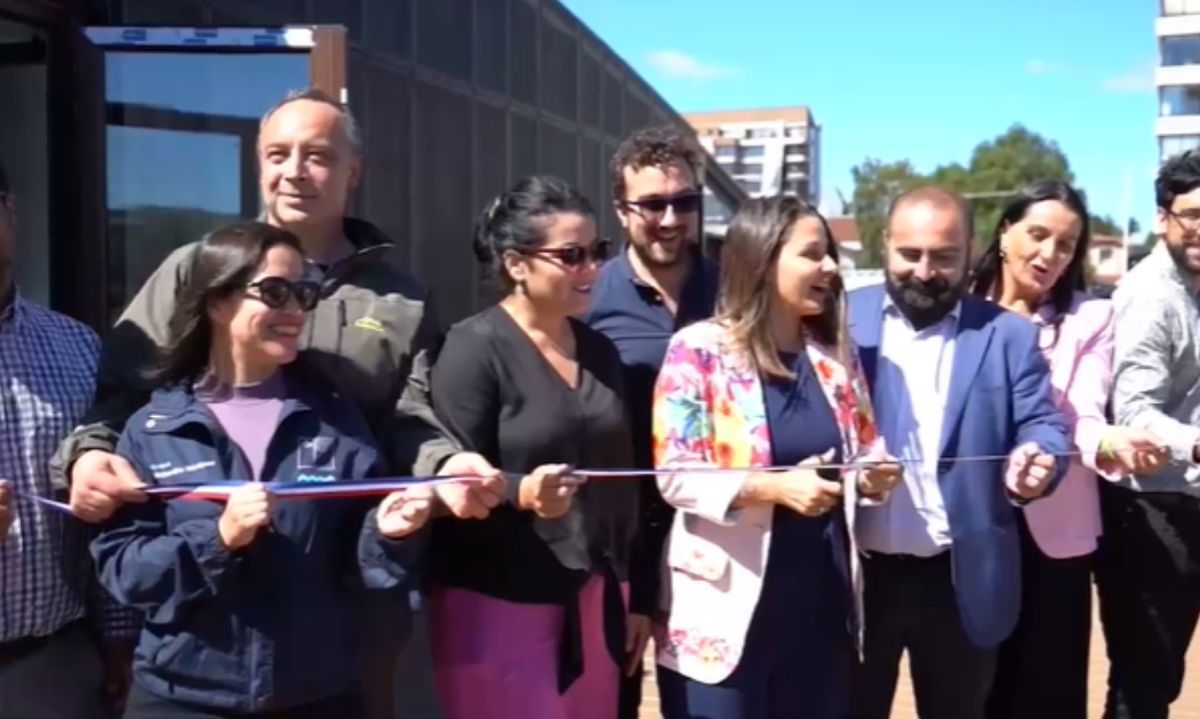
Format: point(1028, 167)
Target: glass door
point(182, 109)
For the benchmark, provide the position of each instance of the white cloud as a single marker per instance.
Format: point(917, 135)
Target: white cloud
point(1042, 67)
point(1139, 79)
point(681, 65)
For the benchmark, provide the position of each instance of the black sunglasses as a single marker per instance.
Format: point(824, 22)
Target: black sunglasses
point(685, 203)
point(277, 292)
point(574, 256)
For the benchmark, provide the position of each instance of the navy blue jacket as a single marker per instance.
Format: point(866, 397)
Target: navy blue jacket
point(274, 624)
point(999, 398)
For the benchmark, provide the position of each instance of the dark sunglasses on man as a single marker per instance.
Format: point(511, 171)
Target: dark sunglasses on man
point(574, 255)
point(684, 203)
point(277, 292)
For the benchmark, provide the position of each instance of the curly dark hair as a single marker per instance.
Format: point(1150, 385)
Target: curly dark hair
point(651, 147)
point(1178, 176)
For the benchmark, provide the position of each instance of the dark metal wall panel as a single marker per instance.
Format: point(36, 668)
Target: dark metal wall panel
point(389, 28)
point(444, 36)
point(589, 89)
point(337, 12)
point(387, 192)
point(523, 132)
point(491, 45)
point(558, 81)
point(522, 47)
point(441, 205)
point(163, 12)
point(560, 153)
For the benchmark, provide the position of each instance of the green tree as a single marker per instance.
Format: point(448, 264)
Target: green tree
point(1104, 225)
point(997, 169)
point(1003, 166)
point(876, 184)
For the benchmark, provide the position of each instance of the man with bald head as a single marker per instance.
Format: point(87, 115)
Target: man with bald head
point(370, 334)
point(952, 378)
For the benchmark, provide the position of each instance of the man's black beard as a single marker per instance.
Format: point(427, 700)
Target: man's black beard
point(924, 303)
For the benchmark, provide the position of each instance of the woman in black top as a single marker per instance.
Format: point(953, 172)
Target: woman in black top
point(526, 612)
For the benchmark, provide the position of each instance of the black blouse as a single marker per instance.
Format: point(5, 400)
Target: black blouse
point(497, 393)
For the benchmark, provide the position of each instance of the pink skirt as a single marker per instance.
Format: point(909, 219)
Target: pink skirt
point(494, 659)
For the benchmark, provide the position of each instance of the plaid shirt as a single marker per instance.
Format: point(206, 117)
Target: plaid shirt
point(47, 379)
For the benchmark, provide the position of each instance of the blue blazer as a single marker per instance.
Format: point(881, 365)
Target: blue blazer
point(999, 398)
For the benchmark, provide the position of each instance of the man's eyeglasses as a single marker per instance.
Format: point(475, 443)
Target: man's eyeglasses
point(682, 204)
point(575, 255)
point(1188, 219)
point(277, 292)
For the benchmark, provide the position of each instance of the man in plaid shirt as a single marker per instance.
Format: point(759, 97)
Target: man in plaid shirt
point(56, 657)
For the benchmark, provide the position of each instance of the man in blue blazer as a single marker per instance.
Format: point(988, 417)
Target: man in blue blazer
point(954, 380)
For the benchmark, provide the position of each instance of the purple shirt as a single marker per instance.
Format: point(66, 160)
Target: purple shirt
point(249, 414)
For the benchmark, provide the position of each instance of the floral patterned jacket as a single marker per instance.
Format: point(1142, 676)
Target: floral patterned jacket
point(709, 411)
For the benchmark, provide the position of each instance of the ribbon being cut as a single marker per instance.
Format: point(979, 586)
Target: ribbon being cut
point(379, 486)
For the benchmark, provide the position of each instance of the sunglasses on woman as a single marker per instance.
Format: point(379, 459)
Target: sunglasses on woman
point(277, 292)
point(575, 255)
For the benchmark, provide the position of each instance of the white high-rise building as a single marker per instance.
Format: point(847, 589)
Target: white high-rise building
point(768, 152)
point(1178, 77)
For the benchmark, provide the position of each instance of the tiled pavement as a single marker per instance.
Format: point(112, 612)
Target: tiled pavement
point(1186, 707)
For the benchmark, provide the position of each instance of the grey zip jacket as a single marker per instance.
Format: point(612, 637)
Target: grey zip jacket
point(372, 335)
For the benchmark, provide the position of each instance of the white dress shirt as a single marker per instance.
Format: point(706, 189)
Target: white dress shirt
point(912, 380)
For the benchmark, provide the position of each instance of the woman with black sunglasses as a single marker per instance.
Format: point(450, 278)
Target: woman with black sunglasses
point(527, 617)
point(250, 604)
point(1034, 266)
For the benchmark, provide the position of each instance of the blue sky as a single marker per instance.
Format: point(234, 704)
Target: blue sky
point(924, 80)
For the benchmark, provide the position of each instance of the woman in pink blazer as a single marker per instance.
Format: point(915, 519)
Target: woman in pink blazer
point(762, 574)
point(1034, 266)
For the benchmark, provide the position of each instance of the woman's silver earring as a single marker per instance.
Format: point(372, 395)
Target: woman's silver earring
point(1002, 253)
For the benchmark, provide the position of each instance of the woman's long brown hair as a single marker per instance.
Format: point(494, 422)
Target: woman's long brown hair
point(748, 255)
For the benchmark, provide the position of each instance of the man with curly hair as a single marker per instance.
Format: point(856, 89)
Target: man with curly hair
point(658, 284)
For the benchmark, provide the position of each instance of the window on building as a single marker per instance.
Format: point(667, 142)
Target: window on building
point(726, 152)
point(1180, 7)
point(760, 132)
point(752, 151)
point(1106, 254)
point(796, 132)
point(794, 168)
point(793, 150)
point(1179, 100)
point(1181, 50)
point(160, 130)
point(1177, 144)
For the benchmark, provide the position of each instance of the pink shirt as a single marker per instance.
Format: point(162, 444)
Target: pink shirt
point(1079, 351)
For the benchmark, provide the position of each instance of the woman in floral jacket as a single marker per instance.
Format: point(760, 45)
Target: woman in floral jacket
point(761, 592)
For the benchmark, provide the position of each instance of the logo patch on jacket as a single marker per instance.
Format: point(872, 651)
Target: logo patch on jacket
point(316, 454)
point(370, 324)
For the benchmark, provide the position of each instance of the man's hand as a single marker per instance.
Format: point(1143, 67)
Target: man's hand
point(6, 512)
point(1029, 471)
point(1127, 450)
point(404, 512)
point(547, 490)
point(473, 499)
point(100, 483)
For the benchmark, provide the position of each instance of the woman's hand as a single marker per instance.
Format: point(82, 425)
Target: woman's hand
point(404, 512)
point(637, 635)
point(547, 490)
point(1127, 450)
point(803, 490)
point(247, 510)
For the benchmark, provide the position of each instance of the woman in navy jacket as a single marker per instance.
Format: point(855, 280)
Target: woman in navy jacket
point(249, 606)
